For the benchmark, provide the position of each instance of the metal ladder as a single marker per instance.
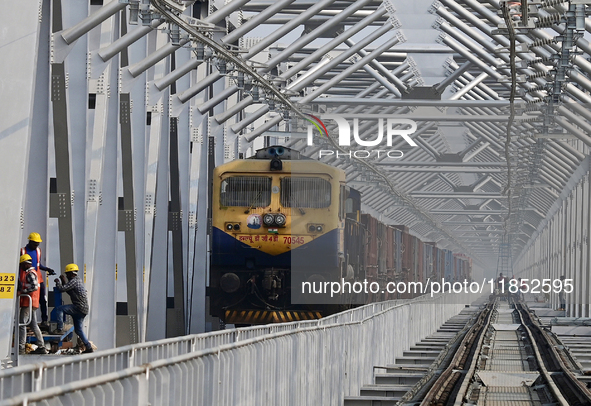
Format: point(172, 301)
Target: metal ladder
point(505, 260)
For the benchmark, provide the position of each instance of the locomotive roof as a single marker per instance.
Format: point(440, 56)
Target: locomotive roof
point(278, 151)
point(261, 165)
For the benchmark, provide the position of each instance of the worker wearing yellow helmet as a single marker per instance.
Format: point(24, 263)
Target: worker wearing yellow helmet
point(35, 237)
point(32, 248)
point(73, 286)
point(28, 290)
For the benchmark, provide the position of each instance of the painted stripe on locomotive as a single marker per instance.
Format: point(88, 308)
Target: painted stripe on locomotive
point(268, 316)
point(229, 252)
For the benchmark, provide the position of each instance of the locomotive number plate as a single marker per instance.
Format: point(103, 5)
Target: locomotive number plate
point(275, 239)
point(294, 239)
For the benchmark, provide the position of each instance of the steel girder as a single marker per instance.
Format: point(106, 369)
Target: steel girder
point(202, 83)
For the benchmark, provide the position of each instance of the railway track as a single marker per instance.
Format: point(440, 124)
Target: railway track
point(501, 356)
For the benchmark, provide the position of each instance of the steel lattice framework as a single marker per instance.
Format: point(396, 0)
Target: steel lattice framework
point(116, 111)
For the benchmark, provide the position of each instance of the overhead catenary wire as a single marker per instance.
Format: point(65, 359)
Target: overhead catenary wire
point(242, 66)
point(512, 53)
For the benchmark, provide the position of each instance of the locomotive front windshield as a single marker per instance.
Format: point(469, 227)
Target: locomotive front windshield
point(249, 191)
point(303, 192)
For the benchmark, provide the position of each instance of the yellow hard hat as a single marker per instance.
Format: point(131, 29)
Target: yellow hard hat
point(26, 258)
point(71, 268)
point(35, 237)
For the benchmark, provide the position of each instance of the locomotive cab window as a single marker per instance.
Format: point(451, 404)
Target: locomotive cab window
point(349, 205)
point(305, 192)
point(343, 202)
point(249, 191)
point(353, 204)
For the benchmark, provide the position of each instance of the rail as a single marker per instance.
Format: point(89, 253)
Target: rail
point(455, 380)
point(442, 388)
point(316, 361)
point(564, 385)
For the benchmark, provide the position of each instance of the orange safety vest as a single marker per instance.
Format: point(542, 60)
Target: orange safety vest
point(24, 301)
point(39, 275)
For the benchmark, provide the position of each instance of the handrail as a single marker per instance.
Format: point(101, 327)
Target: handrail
point(235, 340)
point(268, 329)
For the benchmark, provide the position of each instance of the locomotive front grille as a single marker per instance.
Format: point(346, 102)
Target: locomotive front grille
point(305, 192)
point(249, 191)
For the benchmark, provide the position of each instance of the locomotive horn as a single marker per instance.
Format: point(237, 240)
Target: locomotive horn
point(276, 164)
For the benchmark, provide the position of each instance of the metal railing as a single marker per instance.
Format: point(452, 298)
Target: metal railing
point(310, 362)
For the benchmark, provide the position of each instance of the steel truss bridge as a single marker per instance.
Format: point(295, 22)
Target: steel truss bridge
point(114, 112)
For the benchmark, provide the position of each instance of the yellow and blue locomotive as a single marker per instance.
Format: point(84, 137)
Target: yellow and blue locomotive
point(281, 220)
point(272, 213)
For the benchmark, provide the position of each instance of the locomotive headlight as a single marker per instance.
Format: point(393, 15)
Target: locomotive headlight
point(229, 227)
point(236, 227)
point(230, 282)
point(315, 228)
point(280, 219)
point(268, 219)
